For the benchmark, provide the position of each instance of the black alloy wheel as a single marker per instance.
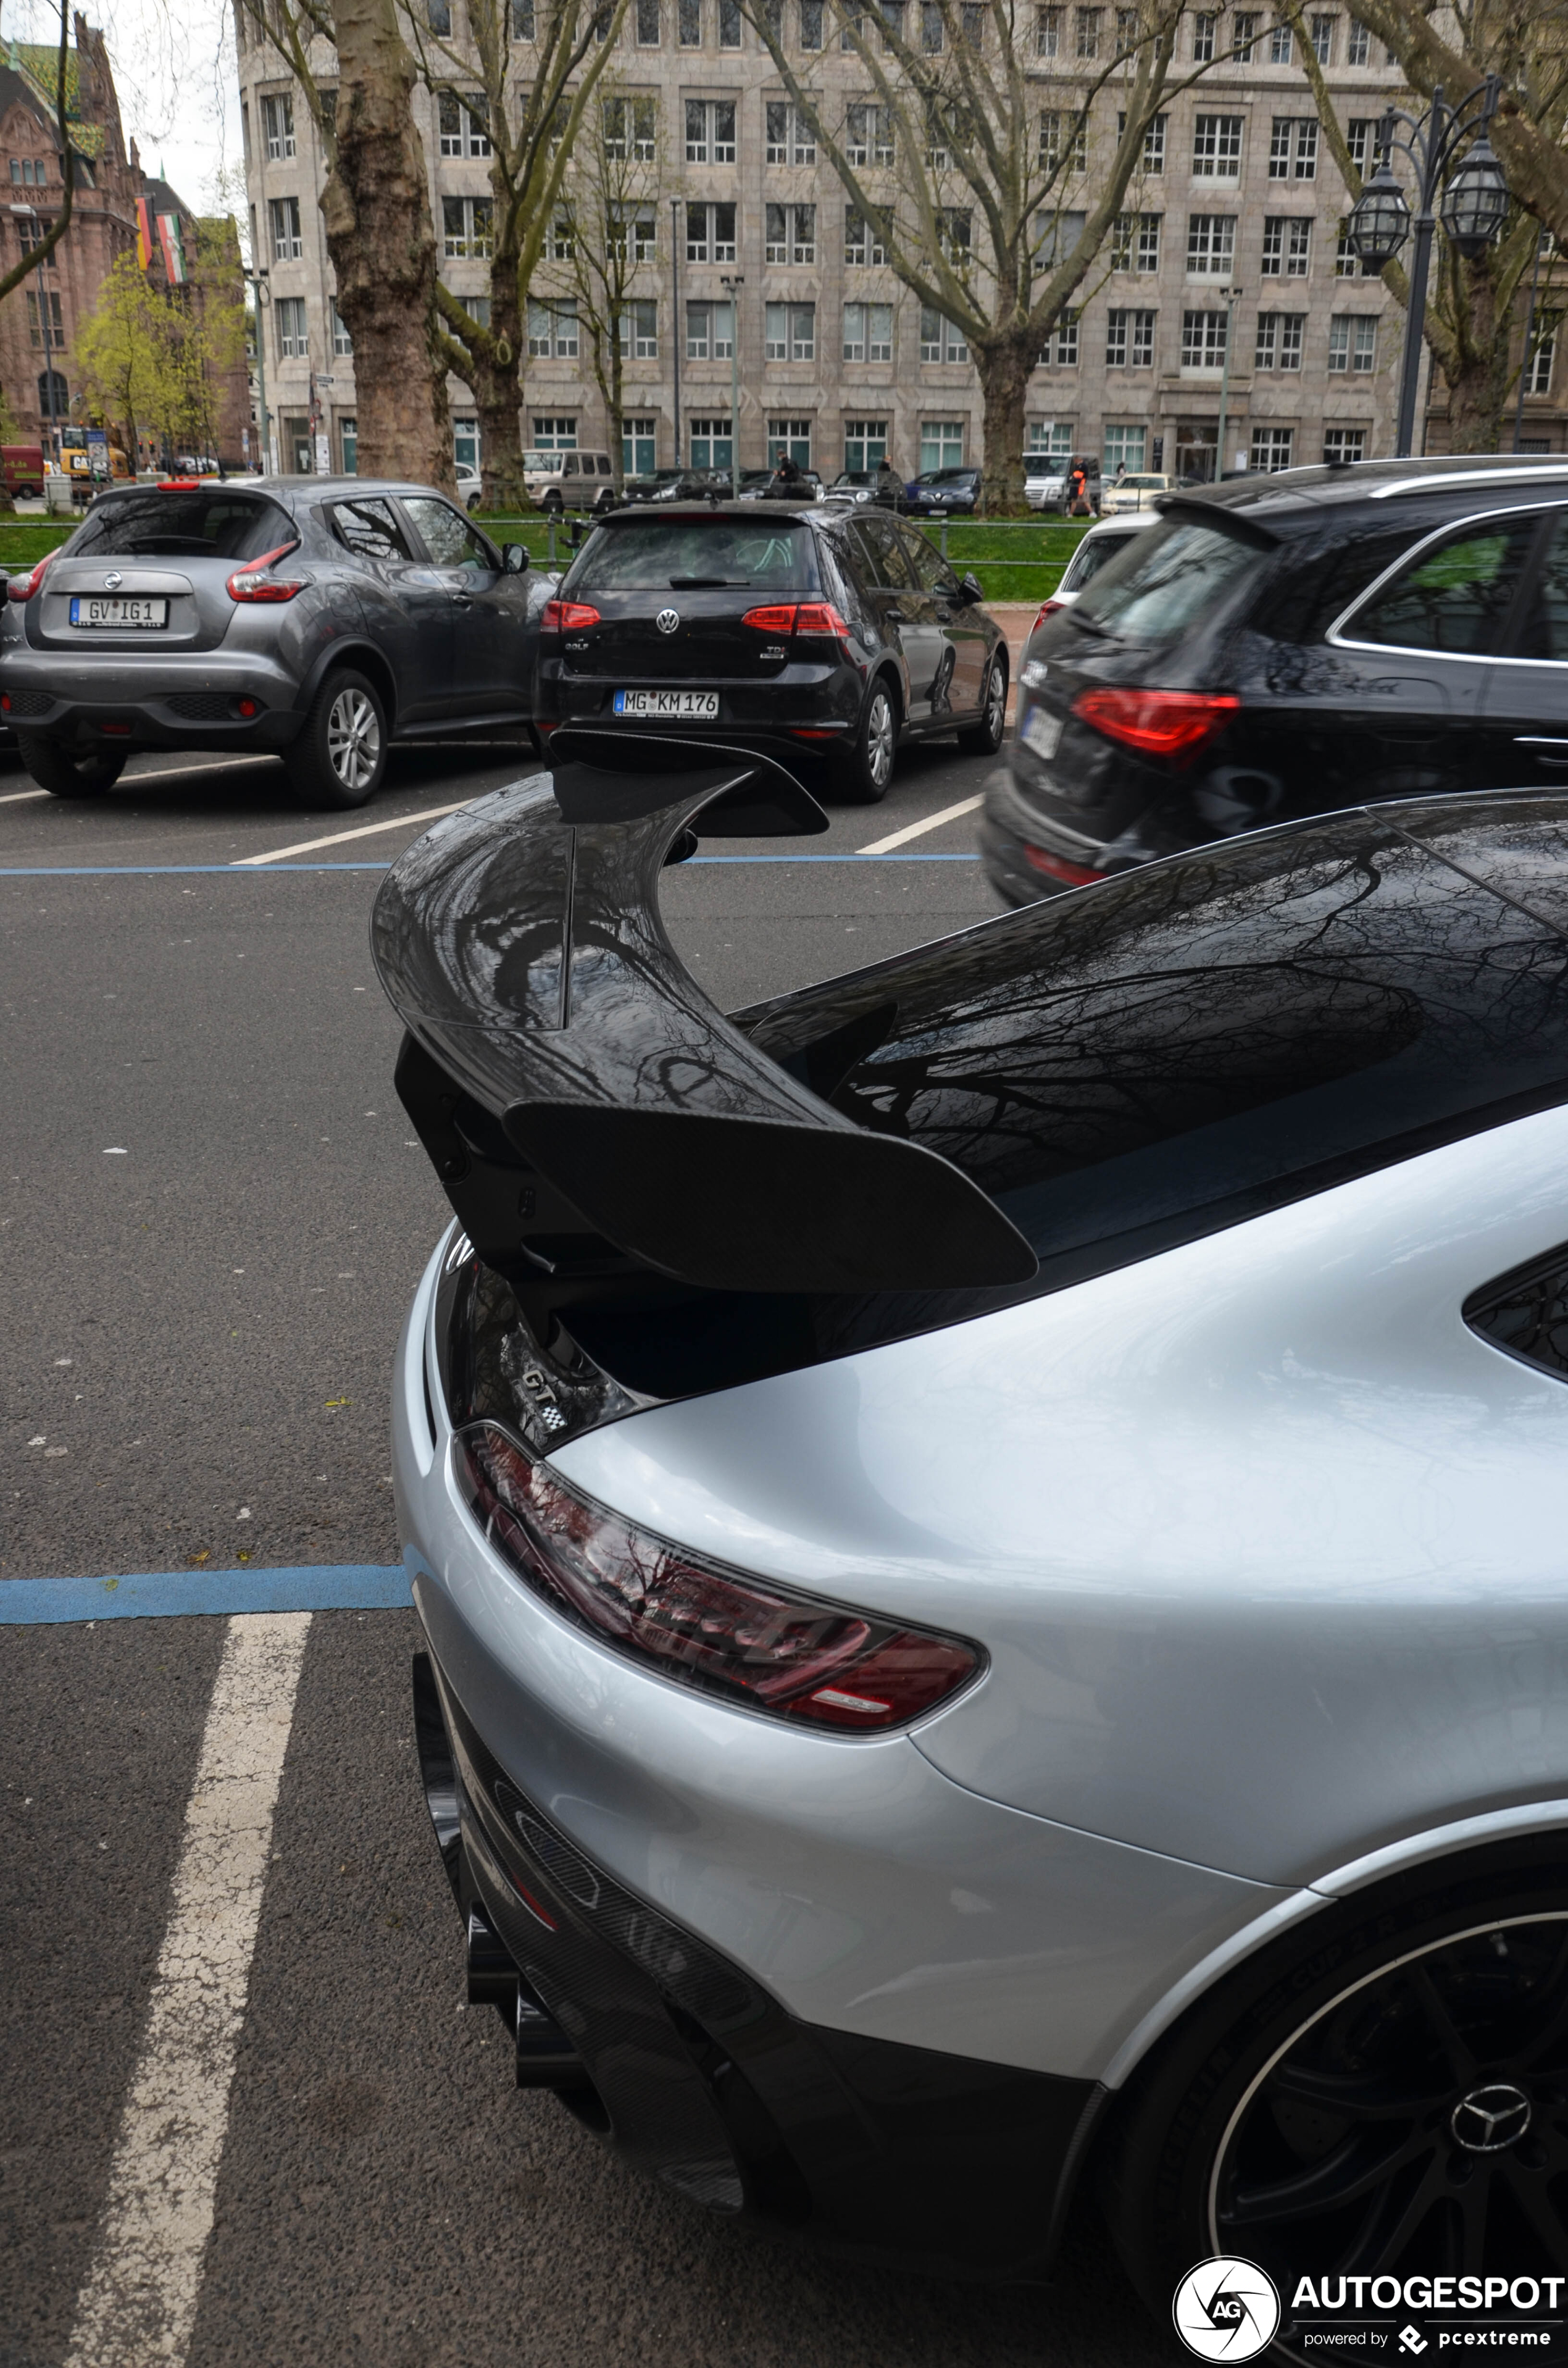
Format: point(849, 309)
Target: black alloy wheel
point(1391, 2100)
point(862, 771)
point(63, 773)
point(983, 739)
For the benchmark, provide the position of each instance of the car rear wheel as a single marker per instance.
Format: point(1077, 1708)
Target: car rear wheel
point(1385, 2092)
point(340, 757)
point(63, 773)
point(983, 739)
point(863, 771)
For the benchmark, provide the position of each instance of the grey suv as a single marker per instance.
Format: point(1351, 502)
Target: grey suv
point(319, 616)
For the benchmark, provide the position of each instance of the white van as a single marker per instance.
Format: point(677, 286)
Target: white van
point(569, 481)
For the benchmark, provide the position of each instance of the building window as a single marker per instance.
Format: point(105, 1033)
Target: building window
point(555, 436)
point(1280, 337)
point(1203, 29)
point(1538, 375)
point(467, 228)
point(942, 444)
point(712, 444)
point(640, 330)
point(792, 436)
point(710, 234)
point(1088, 31)
point(631, 130)
point(1347, 264)
point(1125, 448)
point(465, 447)
point(553, 329)
point(1272, 447)
point(789, 332)
point(1053, 437)
point(1210, 246)
point(710, 331)
point(729, 24)
point(791, 234)
point(867, 135)
point(1216, 147)
point(438, 16)
point(791, 140)
point(957, 225)
point(1063, 139)
point(1280, 45)
point(811, 24)
point(1358, 140)
point(868, 332)
point(1323, 39)
point(1202, 341)
point(1056, 236)
point(647, 23)
point(1353, 343)
point(634, 226)
point(287, 246)
point(50, 319)
point(689, 24)
point(1047, 32)
point(1060, 350)
point(865, 443)
point(1358, 44)
point(1244, 33)
point(932, 31)
point(341, 343)
point(709, 130)
point(561, 240)
point(461, 122)
point(1341, 444)
point(639, 446)
point(939, 340)
point(32, 172)
point(861, 243)
point(278, 123)
point(521, 20)
point(1286, 245)
point(349, 446)
point(33, 229)
point(1129, 340)
point(1293, 148)
point(292, 341)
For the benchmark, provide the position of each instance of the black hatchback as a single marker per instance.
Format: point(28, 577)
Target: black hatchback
point(1289, 646)
point(804, 631)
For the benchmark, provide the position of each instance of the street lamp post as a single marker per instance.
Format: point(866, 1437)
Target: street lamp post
point(257, 280)
point(734, 283)
point(1231, 298)
point(1474, 209)
point(674, 308)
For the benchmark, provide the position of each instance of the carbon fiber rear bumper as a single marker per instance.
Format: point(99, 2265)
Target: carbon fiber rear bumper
point(693, 2072)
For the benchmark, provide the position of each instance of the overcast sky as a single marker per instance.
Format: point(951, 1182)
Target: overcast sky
point(175, 70)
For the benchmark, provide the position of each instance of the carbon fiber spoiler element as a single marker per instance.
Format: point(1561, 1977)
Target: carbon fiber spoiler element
point(589, 1112)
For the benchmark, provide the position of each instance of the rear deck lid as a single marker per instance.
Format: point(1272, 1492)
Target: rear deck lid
point(170, 551)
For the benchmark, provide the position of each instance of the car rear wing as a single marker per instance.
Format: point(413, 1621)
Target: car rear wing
point(590, 1114)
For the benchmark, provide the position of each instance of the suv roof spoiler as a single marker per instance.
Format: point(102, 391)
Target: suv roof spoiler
point(589, 1112)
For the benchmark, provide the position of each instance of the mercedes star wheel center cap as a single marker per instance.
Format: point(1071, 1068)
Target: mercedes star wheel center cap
point(667, 620)
point(1491, 2118)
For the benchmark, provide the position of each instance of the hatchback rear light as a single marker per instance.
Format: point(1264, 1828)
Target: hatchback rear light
point(688, 1619)
point(818, 618)
point(22, 587)
point(1046, 608)
point(253, 582)
point(1173, 723)
point(567, 617)
point(1058, 867)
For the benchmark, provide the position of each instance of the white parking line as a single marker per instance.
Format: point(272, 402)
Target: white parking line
point(342, 837)
point(139, 2302)
point(14, 797)
point(173, 772)
point(918, 829)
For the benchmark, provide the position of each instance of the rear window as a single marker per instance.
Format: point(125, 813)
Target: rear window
point(1090, 557)
point(206, 522)
point(693, 554)
point(1166, 579)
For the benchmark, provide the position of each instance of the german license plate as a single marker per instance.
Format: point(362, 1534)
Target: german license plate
point(132, 613)
point(679, 706)
point(1041, 732)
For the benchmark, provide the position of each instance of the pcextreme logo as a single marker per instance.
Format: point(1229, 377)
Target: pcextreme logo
point(1226, 2309)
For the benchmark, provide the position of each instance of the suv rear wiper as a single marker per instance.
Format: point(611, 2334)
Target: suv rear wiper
point(706, 583)
point(1088, 625)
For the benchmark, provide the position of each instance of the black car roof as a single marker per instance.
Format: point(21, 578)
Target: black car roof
point(1299, 494)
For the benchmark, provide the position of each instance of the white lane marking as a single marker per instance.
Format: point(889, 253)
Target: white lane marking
point(14, 797)
point(918, 829)
point(138, 2305)
point(173, 772)
point(342, 837)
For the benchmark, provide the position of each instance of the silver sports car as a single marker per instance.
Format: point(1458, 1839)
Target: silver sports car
point(990, 1538)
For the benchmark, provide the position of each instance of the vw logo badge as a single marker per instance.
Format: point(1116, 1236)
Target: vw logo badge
point(668, 620)
point(1491, 2118)
point(113, 580)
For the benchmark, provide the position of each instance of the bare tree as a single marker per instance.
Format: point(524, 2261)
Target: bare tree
point(51, 237)
point(986, 168)
point(609, 223)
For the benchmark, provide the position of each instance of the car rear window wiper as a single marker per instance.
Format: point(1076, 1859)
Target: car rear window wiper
point(706, 583)
point(1092, 625)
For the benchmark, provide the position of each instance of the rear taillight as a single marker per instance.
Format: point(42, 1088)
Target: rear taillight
point(690, 1621)
point(253, 582)
point(818, 618)
point(1046, 608)
point(22, 587)
point(1057, 867)
point(1172, 723)
point(187, 485)
point(567, 617)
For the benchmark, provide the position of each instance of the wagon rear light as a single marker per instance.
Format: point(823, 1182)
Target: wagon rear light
point(567, 617)
point(689, 1619)
point(22, 587)
point(253, 582)
point(1173, 723)
point(1046, 608)
point(818, 618)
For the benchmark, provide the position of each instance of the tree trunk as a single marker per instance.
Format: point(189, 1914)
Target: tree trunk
point(379, 235)
point(1476, 363)
point(1003, 364)
point(497, 379)
point(616, 406)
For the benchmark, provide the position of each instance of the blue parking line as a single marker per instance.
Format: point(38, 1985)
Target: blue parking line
point(271, 871)
point(177, 1594)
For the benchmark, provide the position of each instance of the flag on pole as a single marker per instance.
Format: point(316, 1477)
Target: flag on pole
point(143, 233)
point(174, 253)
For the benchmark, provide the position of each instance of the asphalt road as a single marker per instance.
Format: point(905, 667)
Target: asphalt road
point(211, 1216)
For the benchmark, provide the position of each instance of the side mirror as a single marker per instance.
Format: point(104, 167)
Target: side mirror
point(515, 558)
point(971, 589)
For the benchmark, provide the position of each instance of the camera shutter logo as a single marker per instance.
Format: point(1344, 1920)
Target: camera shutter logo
point(668, 620)
point(1226, 2309)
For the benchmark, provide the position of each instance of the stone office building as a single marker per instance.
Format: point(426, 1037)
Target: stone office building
point(747, 232)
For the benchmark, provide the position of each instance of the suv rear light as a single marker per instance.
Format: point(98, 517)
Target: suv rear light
point(1061, 866)
point(253, 582)
point(819, 618)
point(22, 587)
point(1173, 723)
point(567, 617)
point(1046, 608)
point(688, 1619)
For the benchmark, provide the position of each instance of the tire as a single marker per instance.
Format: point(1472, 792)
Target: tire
point(863, 771)
point(65, 775)
point(1343, 2056)
point(340, 758)
point(983, 739)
